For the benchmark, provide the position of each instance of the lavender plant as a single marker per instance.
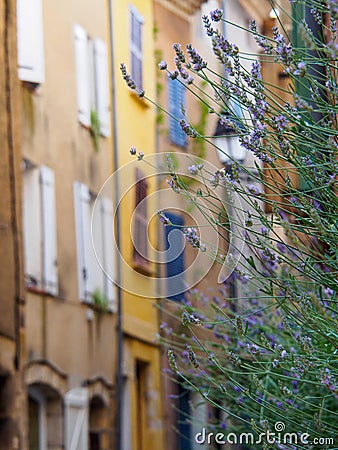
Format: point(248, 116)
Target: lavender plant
point(268, 354)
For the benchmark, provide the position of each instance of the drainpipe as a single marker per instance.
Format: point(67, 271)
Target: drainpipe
point(119, 374)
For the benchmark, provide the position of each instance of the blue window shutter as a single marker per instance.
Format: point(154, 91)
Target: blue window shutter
point(184, 417)
point(175, 266)
point(136, 55)
point(176, 98)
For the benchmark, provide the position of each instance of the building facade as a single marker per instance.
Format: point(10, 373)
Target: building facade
point(12, 336)
point(70, 326)
point(141, 421)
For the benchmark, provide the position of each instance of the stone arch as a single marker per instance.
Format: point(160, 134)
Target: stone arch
point(45, 373)
point(46, 387)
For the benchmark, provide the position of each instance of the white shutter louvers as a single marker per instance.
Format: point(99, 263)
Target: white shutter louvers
point(49, 256)
point(82, 74)
point(76, 419)
point(102, 85)
point(30, 41)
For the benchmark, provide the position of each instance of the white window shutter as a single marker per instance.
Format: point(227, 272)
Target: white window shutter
point(108, 251)
point(76, 419)
point(102, 85)
point(83, 238)
point(32, 227)
point(82, 74)
point(49, 259)
point(30, 41)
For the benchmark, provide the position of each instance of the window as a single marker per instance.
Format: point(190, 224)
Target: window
point(95, 268)
point(136, 22)
point(37, 420)
point(141, 369)
point(99, 431)
point(176, 100)
point(140, 253)
point(45, 419)
point(91, 60)
point(39, 224)
point(174, 257)
point(30, 41)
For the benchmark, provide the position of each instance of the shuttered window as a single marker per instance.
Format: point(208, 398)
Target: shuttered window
point(140, 254)
point(94, 242)
point(176, 99)
point(136, 22)
point(103, 240)
point(49, 257)
point(92, 80)
point(31, 66)
point(39, 223)
point(101, 85)
point(76, 419)
point(174, 250)
point(82, 63)
point(83, 240)
point(184, 418)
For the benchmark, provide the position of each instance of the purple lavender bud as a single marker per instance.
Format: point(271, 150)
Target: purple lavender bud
point(193, 170)
point(216, 15)
point(133, 151)
point(162, 65)
point(164, 219)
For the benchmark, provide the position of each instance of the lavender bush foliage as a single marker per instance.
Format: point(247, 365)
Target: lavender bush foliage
point(272, 354)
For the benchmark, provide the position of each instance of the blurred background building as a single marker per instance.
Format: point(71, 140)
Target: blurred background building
point(80, 367)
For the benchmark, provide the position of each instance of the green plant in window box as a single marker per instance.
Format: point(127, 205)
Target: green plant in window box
point(95, 127)
point(100, 301)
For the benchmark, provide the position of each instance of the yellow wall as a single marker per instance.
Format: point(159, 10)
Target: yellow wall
point(135, 120)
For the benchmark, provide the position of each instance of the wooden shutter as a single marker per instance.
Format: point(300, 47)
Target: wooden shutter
point(175, 265)
point(49, 257)
point(136, 22)
point(184, 418)
point(32, 227)
point(83, 239)
point(30, 41)
point(82, 64)
point(176, 99)
point(108, 251)
point(76, 419)
point(102, 85)
point(141, 222)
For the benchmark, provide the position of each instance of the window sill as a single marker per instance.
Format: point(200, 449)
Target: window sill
point(143, 269)
point(98, 309)
point(89, 129)
point(39, 291)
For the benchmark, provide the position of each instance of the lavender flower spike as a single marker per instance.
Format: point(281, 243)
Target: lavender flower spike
point(216, 15)
point(162, 65)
